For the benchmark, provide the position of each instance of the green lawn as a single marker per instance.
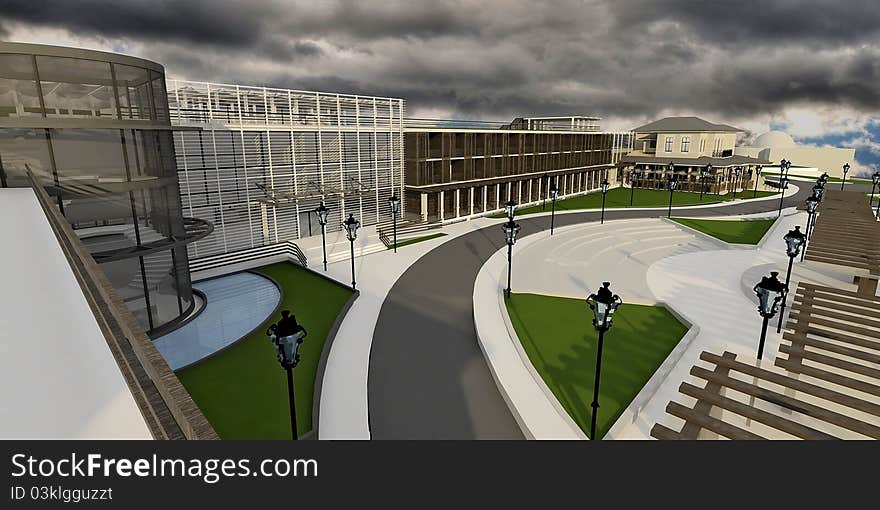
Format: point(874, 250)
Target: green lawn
point(415, 240)
point(559, 338)
point(643, 197)
point(730, 231)
point(243, 390)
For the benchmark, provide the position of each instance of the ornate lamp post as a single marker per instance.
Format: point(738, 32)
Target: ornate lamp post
point(632, 183)
point(510, 230)
point(604, 186)
point(875, 180)
point(323, 214)
point(783, 185)
point(603, 304)
point(394, 203)
point(769, 291)
point(737, 172)
point(811, 204)
point(554, 192)
point(794, 241)
point(704, 172)
point(672, 183)
point(351, 226)
point(757, 174)
point(845, 170)
point(286, 335)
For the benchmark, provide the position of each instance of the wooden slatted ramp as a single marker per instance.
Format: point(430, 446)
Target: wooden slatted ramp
point(741, 400)
point(846, 233)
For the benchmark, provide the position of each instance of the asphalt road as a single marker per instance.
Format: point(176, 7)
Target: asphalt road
point(427, 376)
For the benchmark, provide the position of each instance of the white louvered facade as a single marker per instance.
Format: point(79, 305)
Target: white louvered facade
point(262, 160)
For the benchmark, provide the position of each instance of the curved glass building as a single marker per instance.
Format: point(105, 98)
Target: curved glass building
point(93, 129)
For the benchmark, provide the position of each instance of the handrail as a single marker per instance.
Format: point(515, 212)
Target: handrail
point(145, 370)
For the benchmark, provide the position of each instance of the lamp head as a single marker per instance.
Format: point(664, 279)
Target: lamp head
point(322, 213)
point(794, 240)
point(351, 226)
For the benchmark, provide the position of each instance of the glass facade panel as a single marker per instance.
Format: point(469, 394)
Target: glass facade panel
point(133, 87)
point(18, 87)
point(76, 87)
point(21, 149)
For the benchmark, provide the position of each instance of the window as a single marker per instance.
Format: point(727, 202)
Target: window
point(685, 144)
point(668, 144)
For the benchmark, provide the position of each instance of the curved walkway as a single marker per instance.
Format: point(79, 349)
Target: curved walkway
point(427, 375)
point(237, 304)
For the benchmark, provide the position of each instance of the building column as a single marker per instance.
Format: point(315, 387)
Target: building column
point(457, 203)
point(424, 208)
point(519, 192)
point(485, 197)
point(471, 200)
point(442, 205)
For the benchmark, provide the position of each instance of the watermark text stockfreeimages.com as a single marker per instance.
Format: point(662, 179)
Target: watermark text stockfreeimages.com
point(208, 470)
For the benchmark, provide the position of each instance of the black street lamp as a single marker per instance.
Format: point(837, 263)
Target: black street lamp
point(287, 335)
point(554, 192)
point(323, 213)
point(672, 183)
point(510, 230)
point(757, 175)
point(783, 185)
point(394, 203)
point(510, 209)
point(845, 170)
point(794, 241)
point(736, 174)
point(635, 172)
point(704, 172)
point(603, 304)
point(769, 291)
point(604, 186)
point(785, 166)
point(811, 204)
point(819, 191)
point(351, 226)
point(875, 180)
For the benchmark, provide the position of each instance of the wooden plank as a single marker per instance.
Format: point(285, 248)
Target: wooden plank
point(692, 430)
point(804, 319)
point(837, 349)
point(832, 377)
point(838, 292)
point(841, 304)
point(709, 423)
point(800, 406)
point(759, 415)
point(830, 361)
point(834, 335)
point(830, 314)
point(663, 432)
point(802, 386)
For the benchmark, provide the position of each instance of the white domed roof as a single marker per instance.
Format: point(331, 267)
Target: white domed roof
point(774, 139)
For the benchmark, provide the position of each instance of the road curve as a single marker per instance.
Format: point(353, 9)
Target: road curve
point(427, 376)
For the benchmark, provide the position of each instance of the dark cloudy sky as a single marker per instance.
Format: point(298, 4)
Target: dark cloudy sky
point(809, 67)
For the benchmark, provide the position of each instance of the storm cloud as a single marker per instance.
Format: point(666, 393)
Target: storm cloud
point(626, 61)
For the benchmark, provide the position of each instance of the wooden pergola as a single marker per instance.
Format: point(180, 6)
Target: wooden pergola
point(825, 384)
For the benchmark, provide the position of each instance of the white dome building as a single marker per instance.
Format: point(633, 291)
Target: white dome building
point(776, 139)
point(777, 145)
